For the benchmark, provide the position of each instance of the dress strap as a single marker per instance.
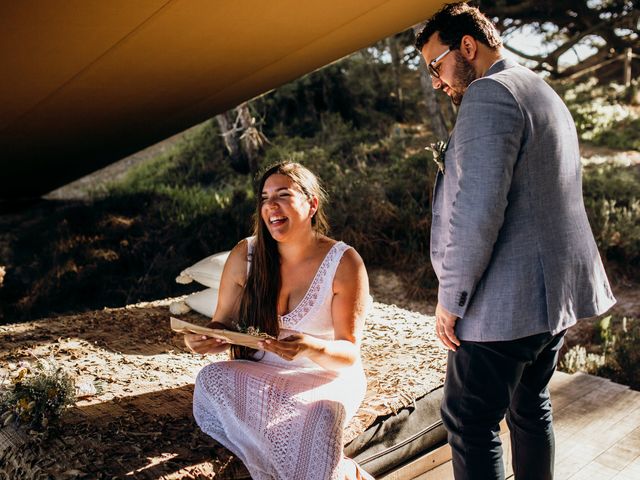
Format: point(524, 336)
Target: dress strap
point(334, 261)
point(251, 241)
point(338, 251)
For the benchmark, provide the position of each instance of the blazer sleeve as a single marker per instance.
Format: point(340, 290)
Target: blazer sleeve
point(488, 136)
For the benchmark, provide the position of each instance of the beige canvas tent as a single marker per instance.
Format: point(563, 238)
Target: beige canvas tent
point(85, 83)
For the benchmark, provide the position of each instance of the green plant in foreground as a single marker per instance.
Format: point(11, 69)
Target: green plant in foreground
point(36, 396)
point(623, 352)
point(578, 360)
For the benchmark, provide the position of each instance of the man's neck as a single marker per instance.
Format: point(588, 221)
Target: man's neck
point(486, 59)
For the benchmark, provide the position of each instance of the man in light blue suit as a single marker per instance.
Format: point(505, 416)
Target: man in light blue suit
point(511, 245)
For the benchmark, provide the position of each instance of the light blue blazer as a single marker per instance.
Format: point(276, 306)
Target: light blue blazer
point(510, 240)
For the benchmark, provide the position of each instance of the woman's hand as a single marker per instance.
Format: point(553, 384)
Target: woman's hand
point(294, 346)
point(202, 344)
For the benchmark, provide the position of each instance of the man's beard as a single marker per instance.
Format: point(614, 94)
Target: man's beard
point(464, 74)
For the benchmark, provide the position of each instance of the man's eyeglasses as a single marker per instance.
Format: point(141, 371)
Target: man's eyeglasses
point(433, 71)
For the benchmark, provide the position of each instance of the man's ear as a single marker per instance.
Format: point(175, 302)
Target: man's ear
point(469, 47)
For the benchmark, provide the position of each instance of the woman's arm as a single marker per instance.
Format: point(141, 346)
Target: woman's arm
point(348, 309)
point(232, 282)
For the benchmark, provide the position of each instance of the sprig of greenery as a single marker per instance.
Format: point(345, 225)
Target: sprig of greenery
point(438, 150)
point(36, 396)
point(250, 330)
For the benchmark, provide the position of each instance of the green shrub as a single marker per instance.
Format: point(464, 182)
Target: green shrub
point(189, 181)
point(37, 396)
point(621, 346)
point(601, 114)
point(577, 359)
point(621, 134)
point(624, 354)
point(614, 353)
point(612, 200)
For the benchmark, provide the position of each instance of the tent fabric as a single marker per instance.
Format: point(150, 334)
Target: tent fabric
point(87, 83)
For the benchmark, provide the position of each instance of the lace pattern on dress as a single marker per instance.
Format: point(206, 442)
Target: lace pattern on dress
point(318, 289)
point(274, 423)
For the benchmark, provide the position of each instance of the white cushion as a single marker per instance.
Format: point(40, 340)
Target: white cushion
point(207, 271)
point(179, 308)
point(203, 302)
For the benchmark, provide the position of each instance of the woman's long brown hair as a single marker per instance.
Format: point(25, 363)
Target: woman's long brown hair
point(259, 300)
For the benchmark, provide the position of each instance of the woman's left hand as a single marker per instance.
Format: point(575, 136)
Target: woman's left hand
point(292, 347)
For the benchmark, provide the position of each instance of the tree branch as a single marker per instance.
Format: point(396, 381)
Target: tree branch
point(597, 58)
point(501, 10)
point(575, 39)
point(535, 58)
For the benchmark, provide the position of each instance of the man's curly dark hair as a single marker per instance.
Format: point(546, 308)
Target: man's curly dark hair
point(454, 21)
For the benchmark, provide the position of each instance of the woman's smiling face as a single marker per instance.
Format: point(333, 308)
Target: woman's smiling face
point(284, 208)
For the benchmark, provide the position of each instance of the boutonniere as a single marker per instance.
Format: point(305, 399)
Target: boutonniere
point(438, 149)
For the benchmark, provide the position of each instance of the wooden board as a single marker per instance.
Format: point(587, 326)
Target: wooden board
point(436, 465)
point(598, 432)
point(597, 428)
point(229, 336)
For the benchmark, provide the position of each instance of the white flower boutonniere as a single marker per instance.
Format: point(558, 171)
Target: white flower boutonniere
point(438, 149)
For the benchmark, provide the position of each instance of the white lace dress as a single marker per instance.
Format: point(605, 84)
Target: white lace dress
point(285, 419)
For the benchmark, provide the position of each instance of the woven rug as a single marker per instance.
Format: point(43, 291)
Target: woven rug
point(139, 423)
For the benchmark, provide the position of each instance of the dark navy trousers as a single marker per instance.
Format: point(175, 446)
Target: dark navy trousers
point(486, 381)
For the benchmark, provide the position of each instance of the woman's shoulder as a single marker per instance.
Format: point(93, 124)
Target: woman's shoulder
point(326, 242)
point(331, 243)
point(242, 247)
point(351, 273)
point(237, 260)
point(350, 260)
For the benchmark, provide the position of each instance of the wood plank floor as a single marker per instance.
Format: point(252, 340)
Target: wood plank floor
point(597, 427)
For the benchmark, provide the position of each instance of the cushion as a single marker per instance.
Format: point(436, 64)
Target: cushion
point(203, 302)
point(206, 272)
point(396, 439)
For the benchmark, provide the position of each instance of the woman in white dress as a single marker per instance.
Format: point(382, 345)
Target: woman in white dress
point(282, 409)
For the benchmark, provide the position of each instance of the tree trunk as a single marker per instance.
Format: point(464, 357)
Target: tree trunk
point(396, 65)
point(434, 112)
point(251, 139)
point(242, 139)
point(629, 94)
point(226, 122)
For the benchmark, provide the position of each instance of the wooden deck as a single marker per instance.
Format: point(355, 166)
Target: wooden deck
point(597, 424)
point(597, 427)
